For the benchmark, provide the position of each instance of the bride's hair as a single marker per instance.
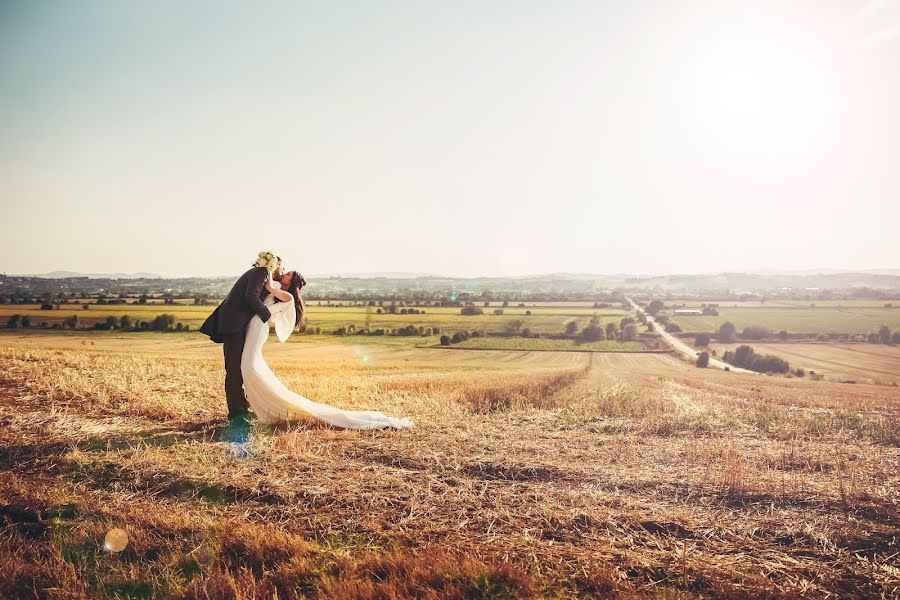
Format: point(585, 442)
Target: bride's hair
point(297, 282)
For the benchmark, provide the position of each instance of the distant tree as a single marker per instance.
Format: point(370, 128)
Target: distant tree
point(527, 313)
point(498, 311)
point(142, 299)
point(611, 330)
point(71, 322)
point(701, 339)
point(163, 322)
point(744, 356)
point(629, 334)
point(14, 321)
point(884, 334)
point(471, 310)
point(112, 322)
point(727, 332)
point(703, 360)
point(592, 333)
point(655, 306)
point(895, 337)
point(85, 306)
point(458, 337)
point(46, 307)
point(26, 321)
point(782, 335)
point(487, 303)
point(505, 303)
point(179, 327)
point(514, 326)
point(626, 321)
point(125, 322)
point(445, 340)
point(571, 327)
point(755, 332)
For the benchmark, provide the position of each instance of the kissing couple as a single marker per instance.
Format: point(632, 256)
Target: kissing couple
point(263, 296)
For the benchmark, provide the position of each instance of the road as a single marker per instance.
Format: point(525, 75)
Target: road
point(683, 348)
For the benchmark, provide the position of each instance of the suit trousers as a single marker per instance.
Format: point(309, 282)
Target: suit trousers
point(233, 346)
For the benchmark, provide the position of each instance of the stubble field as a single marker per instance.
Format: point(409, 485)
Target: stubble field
point(527, 474)
point(549, 318)
point(797, 319)
point(857, 363)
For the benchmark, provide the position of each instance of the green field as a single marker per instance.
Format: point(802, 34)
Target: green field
point(797, 319)
point(871, 303)
point(499, 343)
point(544, 319)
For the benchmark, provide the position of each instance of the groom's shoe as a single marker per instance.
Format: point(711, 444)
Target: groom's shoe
point(237, 429)
point(237, 415)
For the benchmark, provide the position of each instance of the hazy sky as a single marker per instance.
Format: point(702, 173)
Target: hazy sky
point(451, 137)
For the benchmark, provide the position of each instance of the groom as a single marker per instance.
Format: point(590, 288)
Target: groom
point(227, 325)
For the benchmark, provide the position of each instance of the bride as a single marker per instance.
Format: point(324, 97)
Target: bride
point(271, 401)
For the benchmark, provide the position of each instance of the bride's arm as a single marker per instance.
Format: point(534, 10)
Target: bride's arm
point(278, 293)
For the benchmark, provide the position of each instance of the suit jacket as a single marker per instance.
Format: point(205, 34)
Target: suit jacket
point(243, 301)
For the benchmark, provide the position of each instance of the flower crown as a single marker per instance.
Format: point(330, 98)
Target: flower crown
point(267, 259)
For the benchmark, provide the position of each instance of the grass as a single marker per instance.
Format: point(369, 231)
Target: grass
point(857, 362)
point(797, 319)
point(544, 319)
point(519, 343)
point(527, 475)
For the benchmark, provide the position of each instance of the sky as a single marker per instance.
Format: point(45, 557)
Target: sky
point(458, 138)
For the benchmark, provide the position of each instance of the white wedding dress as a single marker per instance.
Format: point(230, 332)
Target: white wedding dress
point(274, 403)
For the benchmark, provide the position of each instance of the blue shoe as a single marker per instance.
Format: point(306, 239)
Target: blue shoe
point(238, 429)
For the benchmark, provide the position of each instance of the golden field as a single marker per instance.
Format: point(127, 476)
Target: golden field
point(526, 475)
point(549, 318)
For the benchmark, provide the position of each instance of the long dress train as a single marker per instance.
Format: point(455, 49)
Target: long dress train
point(273, 402)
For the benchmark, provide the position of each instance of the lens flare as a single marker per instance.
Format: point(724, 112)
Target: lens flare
point(116, 540)
point(361, 355)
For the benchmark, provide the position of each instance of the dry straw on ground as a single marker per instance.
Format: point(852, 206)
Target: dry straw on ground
point(608, 476)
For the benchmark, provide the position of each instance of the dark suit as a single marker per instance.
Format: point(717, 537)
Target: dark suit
point(227, 325)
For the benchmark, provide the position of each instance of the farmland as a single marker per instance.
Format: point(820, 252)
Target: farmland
point(527, 474)
point(499, 343)
point(543, 319)
point(805, 319)
point(869, 363)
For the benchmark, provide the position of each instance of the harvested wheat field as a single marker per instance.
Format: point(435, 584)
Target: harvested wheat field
point(526, 475)
point(856, 363)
